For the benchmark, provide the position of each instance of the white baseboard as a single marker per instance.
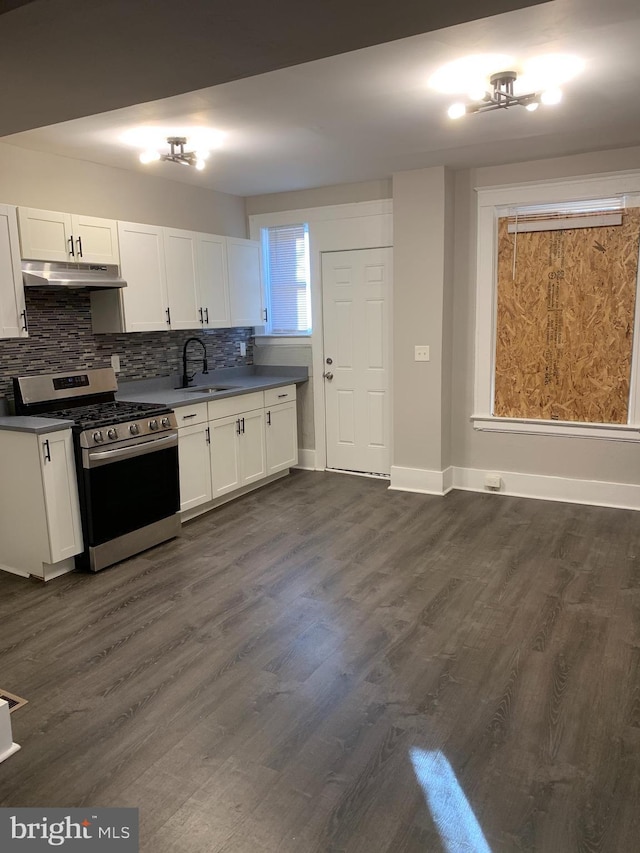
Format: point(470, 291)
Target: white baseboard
point(421, 480)
point(307, 460)
point(547, 488)
point(537, 486)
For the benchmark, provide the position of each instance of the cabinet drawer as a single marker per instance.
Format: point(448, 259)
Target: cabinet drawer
point(285, 394)
point(235, 405)
point(189, 415)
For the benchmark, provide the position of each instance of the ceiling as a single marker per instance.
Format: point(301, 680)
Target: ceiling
point(354, 116)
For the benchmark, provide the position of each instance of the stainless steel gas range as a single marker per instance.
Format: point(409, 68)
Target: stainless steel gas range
point(126, 461)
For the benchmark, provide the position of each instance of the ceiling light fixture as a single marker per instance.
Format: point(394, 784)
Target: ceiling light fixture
point(177, 154)
point(502, 96)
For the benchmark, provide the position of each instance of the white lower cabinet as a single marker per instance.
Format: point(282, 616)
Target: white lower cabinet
point(230, 444)
point(281, 430)
point(39, 509)
point(237, 451)
point(195, 470)
point(225, 455)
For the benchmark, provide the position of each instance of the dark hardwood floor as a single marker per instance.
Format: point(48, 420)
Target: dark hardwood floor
point(268, 682)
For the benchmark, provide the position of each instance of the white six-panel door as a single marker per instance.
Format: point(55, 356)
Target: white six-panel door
point(356, 288)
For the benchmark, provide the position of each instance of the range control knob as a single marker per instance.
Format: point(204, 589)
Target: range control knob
point(153, 424)
point(98, 437)
point(112, 433)
point(165, 423)
point(134, 429)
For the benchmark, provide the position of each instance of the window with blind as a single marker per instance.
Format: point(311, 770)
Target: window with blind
point(287, 287)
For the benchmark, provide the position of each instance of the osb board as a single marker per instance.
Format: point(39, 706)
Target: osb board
point(565, 322)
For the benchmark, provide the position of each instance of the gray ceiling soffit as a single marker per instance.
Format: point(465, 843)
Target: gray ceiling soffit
point(64, 59)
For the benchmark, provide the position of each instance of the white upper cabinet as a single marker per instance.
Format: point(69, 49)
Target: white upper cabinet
point(13, 318)
point(214, 282)
point(180, 253)
point(245, 282)
point(144, 299)
point(181, 280)
point(96, 239)
point(49, 235)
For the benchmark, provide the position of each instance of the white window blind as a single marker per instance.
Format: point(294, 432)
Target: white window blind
point(286, 251)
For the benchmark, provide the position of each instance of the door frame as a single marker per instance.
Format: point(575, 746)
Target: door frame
point(334, 228)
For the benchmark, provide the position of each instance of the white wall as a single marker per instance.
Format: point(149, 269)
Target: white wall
point(34, 179)
point(560, 456)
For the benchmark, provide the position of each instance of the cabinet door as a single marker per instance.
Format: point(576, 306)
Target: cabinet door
point(195, 466)
point(282, 437)
point(96, 240)
point(60, 495)
point(46, 235)
point(143, 268)
point(253, 457)
point(12, 311)
point(214, 283)
point(245, 283)
point(180, 248)
point(225, 455)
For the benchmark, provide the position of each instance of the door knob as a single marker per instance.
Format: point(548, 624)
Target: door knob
point(329, 361)
point(328, 376)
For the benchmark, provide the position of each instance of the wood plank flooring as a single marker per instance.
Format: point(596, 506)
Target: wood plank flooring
point(262, 684)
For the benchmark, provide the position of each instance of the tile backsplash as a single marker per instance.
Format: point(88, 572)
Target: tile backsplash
point(61, 338)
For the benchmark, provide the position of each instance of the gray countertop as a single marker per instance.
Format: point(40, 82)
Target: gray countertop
point(239, 380)
point(32, 424)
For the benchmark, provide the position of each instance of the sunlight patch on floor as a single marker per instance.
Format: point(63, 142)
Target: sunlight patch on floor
point(452, 815)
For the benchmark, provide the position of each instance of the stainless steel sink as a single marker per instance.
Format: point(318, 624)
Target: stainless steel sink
point(208, 389)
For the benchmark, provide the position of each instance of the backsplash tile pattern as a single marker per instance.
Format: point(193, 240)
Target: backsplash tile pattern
point(61, 338)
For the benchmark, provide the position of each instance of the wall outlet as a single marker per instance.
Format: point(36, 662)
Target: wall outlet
point(493, 482)
point(115, 363)
point(421, 353)
point(243, 348)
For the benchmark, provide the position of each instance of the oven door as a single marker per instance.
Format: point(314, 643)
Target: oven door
point(129, 487)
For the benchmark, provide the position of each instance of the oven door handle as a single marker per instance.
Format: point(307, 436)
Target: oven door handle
point(103, 457)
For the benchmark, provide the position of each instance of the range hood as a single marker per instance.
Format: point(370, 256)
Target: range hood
point(62, 276)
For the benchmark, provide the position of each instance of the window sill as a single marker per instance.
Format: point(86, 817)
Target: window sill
point(609, 432)
point(282, 340)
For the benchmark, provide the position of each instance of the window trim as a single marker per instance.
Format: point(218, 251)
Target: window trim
point(489, 201)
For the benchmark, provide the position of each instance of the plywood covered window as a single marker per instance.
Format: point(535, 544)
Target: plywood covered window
point(566, 300)
point(557, 319)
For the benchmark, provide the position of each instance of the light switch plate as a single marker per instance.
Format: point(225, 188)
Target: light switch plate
point(422, 353)
point(243, 348)
point(115, 362)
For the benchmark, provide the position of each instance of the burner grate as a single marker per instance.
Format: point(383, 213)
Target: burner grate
point(102, 414)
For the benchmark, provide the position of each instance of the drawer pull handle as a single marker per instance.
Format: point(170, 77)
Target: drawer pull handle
point(186, 417)
point(283, 395)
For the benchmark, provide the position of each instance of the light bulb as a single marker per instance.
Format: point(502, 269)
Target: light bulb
point(551, 96)
point(200, 164)
point(202, 154)
point(456, 110)
point(149, 156)
point(532, 107)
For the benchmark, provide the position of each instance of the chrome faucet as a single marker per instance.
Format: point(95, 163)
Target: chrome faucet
point(186, 379)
